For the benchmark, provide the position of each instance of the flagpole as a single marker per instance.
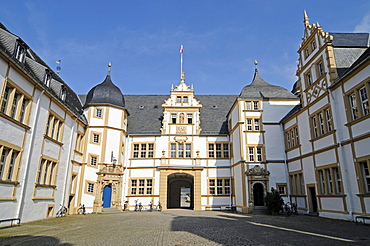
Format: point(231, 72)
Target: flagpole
point(181, 59)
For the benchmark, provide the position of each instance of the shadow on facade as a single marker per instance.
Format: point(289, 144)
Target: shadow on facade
point(32, 240)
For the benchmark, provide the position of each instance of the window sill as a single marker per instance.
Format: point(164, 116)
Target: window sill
point(322, 136)
point(293, 148)
point(331, 195)
point(15, 121)
point(45, 186)
point(362, 118)
point(9, 182)
point(363, 195)
point(53, 140)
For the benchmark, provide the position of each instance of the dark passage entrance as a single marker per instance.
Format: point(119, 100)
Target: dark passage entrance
point(258, 194)
point(313, 207)
point(180, 191)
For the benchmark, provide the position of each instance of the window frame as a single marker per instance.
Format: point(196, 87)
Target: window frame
point(219, 186)
point(47, 172)
point(330, 180)
point(218, 153)
point(181, 150)
point(321, 122)
point(138, 188)
point(143, 150)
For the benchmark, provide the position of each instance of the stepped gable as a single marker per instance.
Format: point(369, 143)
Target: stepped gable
point(105, 93)
point(260, 89)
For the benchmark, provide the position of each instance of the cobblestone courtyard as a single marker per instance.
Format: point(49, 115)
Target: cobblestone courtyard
point(186, 227)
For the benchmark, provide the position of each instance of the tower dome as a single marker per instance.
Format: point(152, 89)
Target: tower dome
point(260, 89)
point(105, 93)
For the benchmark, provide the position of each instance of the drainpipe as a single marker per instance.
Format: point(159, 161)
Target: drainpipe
point(30, 151)
point(285, 160)
point(342, 155)
point(68, 163)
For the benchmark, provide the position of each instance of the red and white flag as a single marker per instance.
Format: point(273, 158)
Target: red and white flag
point(182, 49)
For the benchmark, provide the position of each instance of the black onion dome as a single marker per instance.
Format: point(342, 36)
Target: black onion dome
point(260, 89)
point(105, 93)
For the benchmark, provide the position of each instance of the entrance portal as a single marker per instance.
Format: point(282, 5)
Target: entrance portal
point(107, 196)
point(313, 205)
point(258, 194)
point(180, 191)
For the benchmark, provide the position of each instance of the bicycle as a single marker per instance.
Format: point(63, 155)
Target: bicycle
point(290, 208)
point(81, 209)
point(62, 211)
point(136, 205)
point(125, 205)
point(159, 207)
point(150, 206)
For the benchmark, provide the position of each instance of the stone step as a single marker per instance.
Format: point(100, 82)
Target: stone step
point(259, 210)
point(112, 210)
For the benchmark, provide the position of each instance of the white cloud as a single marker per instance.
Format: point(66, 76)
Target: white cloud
point(364, 26)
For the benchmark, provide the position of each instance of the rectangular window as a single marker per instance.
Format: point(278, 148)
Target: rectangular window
point(329, 124)
point(20, 52)
point(314, 125)
point(321, 122)
point(249, 124)
point(96, 138)
point(364, 101)
point(256, 124)
point(248, 105)
point(47, 172)
point(146, 150)
point(93, 160)
point(291, 137)
point(90, 188)
point(14, 104)
point(297, 184)
point(330, 181)
point(79, 142)
point(313, 45)
point(307, 53)
point(219, 186)
point(98, 113)
point(259, 154)
point(180, 150)
point(281, 188)
point(8, 163)
point(190, 119)
point(185, 99)
point(320, 69)
point(309, 79)
point(255, 106)
point(53, 127)
point(178, 99)
point(141, 186)
point(365, 171)
point(173, 117)
point(218, 150)
point(251, 154)
point(353, 105)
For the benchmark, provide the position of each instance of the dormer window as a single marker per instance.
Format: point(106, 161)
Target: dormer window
point(47, 78)
point(20, 52)
point(63, 93)
point(178, 99)
point(313, 45)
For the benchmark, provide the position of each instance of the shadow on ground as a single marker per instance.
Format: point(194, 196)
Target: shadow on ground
point(31, 240)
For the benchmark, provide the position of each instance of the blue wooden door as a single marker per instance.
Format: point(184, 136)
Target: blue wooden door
point(107, 196)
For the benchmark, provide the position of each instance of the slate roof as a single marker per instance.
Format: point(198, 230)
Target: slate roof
point(260, 89)
point(105, 93)
point(35, 68)
point(350, 40)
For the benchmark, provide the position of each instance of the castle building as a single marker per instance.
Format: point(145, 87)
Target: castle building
point(183, 150)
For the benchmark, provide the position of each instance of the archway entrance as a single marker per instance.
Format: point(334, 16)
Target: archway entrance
point(180, 191)
point(107, 196)
point(258, 194)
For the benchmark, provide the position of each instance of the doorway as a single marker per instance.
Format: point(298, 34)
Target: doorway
point(258, 194)
point(180, 191)
point(313, 202)
point(107, 196)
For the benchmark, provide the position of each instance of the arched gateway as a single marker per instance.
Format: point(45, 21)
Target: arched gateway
point(180, 191)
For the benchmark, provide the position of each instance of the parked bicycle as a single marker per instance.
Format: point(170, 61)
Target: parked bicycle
point(62, 211)
point(290, 208)
point(125, 204)
point(138, 206)
point(158, 207)
point(81, 209)
point(150, 206)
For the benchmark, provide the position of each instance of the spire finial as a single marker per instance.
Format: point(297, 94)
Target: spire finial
point(306, 19)
point(256, 64)
point(109, 66)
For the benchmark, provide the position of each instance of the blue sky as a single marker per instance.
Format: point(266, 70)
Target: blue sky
point(141, 38)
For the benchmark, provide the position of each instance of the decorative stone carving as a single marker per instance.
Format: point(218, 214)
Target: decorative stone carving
point(257, 171)
point(180, 140)
point(181, 130)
